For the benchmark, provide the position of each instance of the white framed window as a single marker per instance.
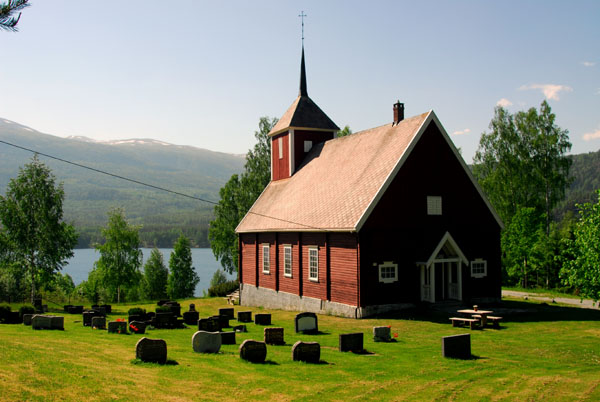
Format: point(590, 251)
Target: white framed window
point(287, 261)
point(478, 268)
point(434, 205)
point(266, 261)
point(280, 141)
point(388, 272)
point(313, 264)
point(307, 146)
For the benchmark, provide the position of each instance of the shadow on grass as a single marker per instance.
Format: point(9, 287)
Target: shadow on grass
point(266, 362)
point(472, 357)
point(314, 333)
point(362, 352)
point(169, 362)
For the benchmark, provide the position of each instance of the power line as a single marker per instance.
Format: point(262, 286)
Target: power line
point(148, 185)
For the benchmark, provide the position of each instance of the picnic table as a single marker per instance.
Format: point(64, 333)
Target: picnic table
point(483, 314)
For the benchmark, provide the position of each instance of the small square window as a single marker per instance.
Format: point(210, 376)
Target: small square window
point(266, 265)
point(434, 205)
point(287, 261)
point(388, 272)
point(479, 268)
point(307, 146)
point(313, 264)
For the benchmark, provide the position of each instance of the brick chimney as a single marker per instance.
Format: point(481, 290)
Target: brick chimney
point(398, 112)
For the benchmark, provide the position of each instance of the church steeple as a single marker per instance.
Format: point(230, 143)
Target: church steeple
point(303, 90)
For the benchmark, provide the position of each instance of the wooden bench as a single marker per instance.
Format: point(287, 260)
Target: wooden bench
point(458, 321)
point(490, 318)
point(233, 297)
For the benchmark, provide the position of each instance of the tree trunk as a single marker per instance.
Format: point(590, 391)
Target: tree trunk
point(118, 294)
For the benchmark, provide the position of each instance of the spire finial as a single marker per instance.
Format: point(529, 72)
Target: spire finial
point(303, 90)
point(302, 15)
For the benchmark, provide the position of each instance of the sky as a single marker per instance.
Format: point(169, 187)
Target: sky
point(202, 73)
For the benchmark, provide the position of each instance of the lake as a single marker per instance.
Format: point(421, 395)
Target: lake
point(203, 261)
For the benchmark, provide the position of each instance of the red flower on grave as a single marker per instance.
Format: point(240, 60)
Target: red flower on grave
point(389, 326)
point(133, 327)
point(395, 334)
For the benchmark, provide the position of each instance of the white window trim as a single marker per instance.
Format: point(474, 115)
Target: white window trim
point(308, 146)
point(479, 274)
point(388, 264)
point(266, 262)
point(434, 205)
point(311, 277)
point(280, 141)
point(287, 247)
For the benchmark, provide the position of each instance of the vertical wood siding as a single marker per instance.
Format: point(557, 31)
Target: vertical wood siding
point(280, 167)
point(343, 270)
point(267, 280)
point(310, 288)
point(248, 258)
point(286, 284)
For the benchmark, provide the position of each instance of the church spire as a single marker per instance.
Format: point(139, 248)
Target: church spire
point(303, 90)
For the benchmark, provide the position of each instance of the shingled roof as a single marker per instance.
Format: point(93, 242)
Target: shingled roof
point(341, 181)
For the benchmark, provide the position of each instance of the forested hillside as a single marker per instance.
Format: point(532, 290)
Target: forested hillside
point(585, 172)
point(90, 195)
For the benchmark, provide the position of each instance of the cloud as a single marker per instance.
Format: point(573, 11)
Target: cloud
point(465, 131)
point(592, 136)
point(504, 102)
point(588, 63)
point(550, 90)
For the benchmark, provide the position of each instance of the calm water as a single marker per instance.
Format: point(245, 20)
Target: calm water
point(203, 261)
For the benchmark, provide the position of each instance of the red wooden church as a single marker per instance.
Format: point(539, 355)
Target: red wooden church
point(375, 221)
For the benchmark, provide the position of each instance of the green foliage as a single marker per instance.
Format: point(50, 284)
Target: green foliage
point(31, 214)
point(182, 279)
point(218, 278)
point(26, 309)
point(583, 270)
point(585, 173)
point(223, 289)
point(238, 195)
point(120, 256)
point(92, 289)
point(155, 276)
point(163, 309)
point(8, 22)
point(136, 311)
point(344, 132)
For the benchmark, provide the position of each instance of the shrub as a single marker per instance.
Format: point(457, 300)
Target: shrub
point(218, 278)
point(4, 312)
point(163, 309)
point(26, 309)
point(137, 311)
point(223, 289)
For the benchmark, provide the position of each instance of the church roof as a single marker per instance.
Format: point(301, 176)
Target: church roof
point(341, 181)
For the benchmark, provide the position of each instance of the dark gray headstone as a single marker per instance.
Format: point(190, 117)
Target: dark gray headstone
point(66, 307)
point(57, 322)
point(137, 327)
point(351, 342)
point(274, 336)
point(306, 322)
point(192, 307)
point(151, 350)
point(14, 318)
point(309, 352)
point(107, 308)
point(191, 317)
point(164, 320)
point(244, 316)
point(88, 315)
point(99, 322)
point(253, 351)
point(117, 327)
point(240, 328)
point(206, 342)
point(228, 338)
point(457, 346)
point(382, 334)
point(39, 321)
point(75, 310)
point(27, 318)
point(227, 312)
point(223, 321)
point(209, 324)
point(262, 319)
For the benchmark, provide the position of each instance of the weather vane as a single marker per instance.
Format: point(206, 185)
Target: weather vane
point(302, 15)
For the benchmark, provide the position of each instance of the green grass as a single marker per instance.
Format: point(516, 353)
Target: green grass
point(542, 292)
point(542, 353)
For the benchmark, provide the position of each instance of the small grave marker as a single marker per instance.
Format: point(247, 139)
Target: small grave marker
point(209, 324)
point(457, 346)
point(382, 334)
point(351, 342)
point(309, 352)
point(306, 322)
point(228, 338)
point(99, 322)
point(253, 351)
point(206, 342)
point(227, 312)
point(274, 336)
point(27, 318)
point(151, 350)
point(39, 321)
point(137, 327)
point(262, 319)
point(244, 316)
point(191, 317)
point(117, 327)
point(240, 328)
point(57, 322)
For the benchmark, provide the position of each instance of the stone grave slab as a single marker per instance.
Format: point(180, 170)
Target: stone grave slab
point(457, 346)
point(41, 322)
point(66, 307)
point(57, 322)
point(382, 334)
point(244, 316)
point(262, 319)
point(351, 342)
point(99, 322)
point(309, 352)
point(206, 342)
point(164, 320)
point(88, 315)
point(240, 328)
point(191, 317)
point(107, 308)
point(137, 327)
point(227, 312)
point(274, 336)
point(75, 310)
point(228, 338)
point(151, 350)
point(117, 327)
point(223, 321)
point(306, 322)
point(27, 318)
point(253, 351)
point(209, 324)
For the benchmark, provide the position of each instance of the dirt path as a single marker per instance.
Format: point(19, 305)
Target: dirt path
point(585, 303)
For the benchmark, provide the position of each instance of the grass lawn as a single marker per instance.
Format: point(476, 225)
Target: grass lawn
point(540, 353)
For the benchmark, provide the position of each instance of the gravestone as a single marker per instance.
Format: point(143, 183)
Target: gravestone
point(66, 307)
point(137, 327)
point(191, 317)
point(192, 307)
point(382, 334)
point(309, 352)
point(306, 322)
point(99, 322)
point(206, 342)
point(227, 312)
point(107, 308)
point(223, 321)
point(228, 338)
point(209, 325)
point(100, 310)
point(75, 310)
point(274, 336)
point(88, 315)
point(253, 351)
point(240, 328)
point(244, 316)
point(351, 342)
point(262, 319)
point(117, 327)
point(457, 346)
point(27, 318)
point(135, 317)
point(175, 308)
point(151, 350)
point(41, 322)
point(14, 317)
point(164, 320)
point(37, 305)
point(57, 322)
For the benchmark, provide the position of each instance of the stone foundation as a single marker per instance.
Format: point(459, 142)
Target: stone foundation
point(262, 297)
